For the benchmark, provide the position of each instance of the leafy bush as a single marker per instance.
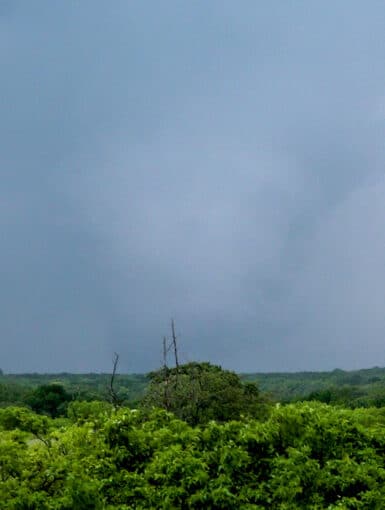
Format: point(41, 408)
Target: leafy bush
point(305, 456)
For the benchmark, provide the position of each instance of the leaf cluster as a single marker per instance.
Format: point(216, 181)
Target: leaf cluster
point(304, 456)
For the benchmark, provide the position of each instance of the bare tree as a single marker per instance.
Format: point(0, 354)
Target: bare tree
point(165, 351)
point(166, 375)
point(174, 338)
point(174, 344)
point(169, 378)
point(114, 398)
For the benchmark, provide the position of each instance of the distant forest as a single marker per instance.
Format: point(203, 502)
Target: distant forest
point(358, 388)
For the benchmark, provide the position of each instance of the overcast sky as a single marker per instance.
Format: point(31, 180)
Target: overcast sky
point(221, 163)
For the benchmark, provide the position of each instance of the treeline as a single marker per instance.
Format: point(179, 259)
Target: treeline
point(357, 388)
point(194, 392)
point(19, 389)
point(361, 388)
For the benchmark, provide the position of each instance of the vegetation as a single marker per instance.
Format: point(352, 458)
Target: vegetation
point(16, 389)
point(198, 437)
point(51, 399)
point(304, 456)
point(200, 392)
point(358, 388)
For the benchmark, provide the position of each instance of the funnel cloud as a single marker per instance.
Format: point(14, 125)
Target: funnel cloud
point(219, 164)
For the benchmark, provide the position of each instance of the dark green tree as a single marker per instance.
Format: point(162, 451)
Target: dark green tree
point(200, 392)
point(50, 399)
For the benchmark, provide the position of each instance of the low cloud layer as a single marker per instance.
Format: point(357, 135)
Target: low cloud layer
point(222, 166)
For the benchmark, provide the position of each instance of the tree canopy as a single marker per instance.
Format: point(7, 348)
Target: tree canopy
point(200, 392)
point(51, 399)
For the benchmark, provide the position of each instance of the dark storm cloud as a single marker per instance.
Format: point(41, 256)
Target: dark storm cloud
point(216, 163)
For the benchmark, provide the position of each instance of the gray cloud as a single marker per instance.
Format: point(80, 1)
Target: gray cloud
point(341, 288)
point(217, 164)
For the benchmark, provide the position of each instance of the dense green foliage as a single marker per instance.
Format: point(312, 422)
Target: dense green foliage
point(360, 388)
point(51, 399)
point(200, 392)
point(217, 443)
point(304, 456)
point(357, 388)
point(16, 389)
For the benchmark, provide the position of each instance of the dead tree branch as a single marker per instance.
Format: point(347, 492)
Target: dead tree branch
point(174, 344)
point(165, 351)
point(174, 339)
point(114, 398)
point(166, 375)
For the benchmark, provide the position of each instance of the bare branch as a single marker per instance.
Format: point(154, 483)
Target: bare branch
point(165, 351)
point(174, 338)
point(174, 344)
point(115, 400)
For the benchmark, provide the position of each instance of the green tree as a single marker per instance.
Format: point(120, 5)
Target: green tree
point(51, 399)
point(24, 419)
point(200, 392)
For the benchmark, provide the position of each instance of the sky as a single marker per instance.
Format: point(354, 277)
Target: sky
point(219, 163)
